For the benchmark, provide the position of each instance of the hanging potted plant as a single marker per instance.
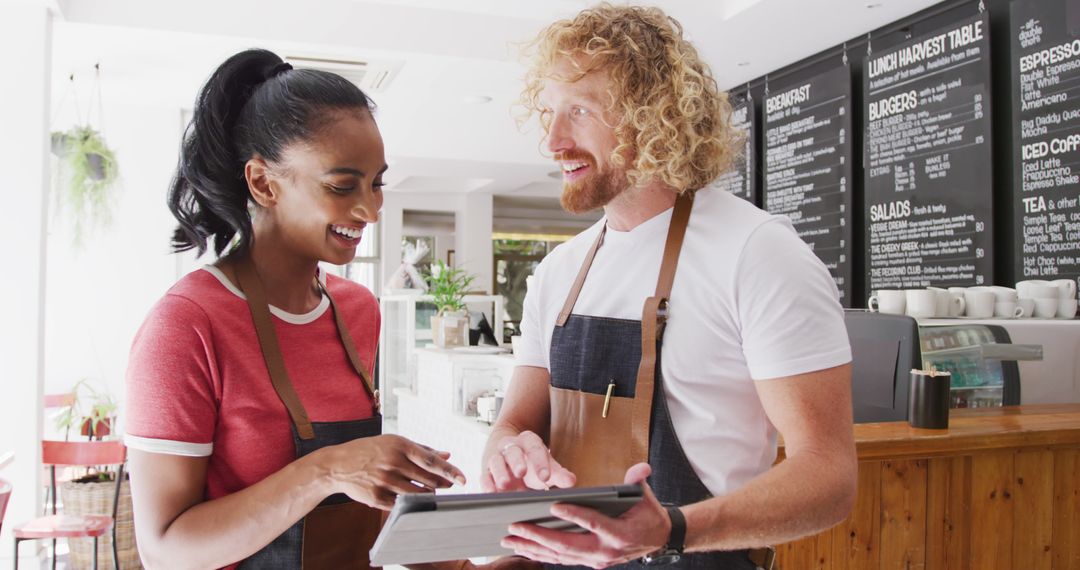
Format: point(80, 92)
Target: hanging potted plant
point(87, 171)
point(447, 286)
point(87, 177)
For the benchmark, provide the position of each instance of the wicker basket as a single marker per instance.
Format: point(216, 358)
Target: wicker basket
point(96, 498)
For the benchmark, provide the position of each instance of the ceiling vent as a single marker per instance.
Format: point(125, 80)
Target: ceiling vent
point(371, 76)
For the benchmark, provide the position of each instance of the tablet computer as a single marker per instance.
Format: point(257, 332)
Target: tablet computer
point(432, 528)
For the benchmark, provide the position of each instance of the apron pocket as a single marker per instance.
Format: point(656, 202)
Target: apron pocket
point(340, 536)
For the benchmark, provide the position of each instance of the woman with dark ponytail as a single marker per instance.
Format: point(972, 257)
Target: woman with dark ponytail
point(252, 421)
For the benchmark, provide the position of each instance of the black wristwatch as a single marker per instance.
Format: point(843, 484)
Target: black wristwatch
point(673, 550)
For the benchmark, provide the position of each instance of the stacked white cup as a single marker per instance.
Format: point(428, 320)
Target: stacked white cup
point(985, 302)
point(890, 301)
point(1031, 298)
point(1048, 299)
point(919, 303)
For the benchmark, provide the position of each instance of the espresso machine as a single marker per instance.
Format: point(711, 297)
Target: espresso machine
point(1044, 356)
point(985, 361)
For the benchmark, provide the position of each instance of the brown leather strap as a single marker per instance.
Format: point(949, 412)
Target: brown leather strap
point(654, 318)
point(762, 558)
point(251, 285)
point(680, 218)
point(350, 346)
point(572, 298)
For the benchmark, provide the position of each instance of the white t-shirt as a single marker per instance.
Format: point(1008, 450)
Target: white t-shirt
point(750, 302)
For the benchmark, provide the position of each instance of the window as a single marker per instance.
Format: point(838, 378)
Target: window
point(364, 268)
point(516, 261)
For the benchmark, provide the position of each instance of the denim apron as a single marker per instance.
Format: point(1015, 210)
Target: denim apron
point(339, 532)
point(608, 408)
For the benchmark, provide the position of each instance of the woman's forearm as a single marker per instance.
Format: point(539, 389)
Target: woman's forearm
point(215, 533)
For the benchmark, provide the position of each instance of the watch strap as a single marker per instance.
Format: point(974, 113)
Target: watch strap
point(677, 538)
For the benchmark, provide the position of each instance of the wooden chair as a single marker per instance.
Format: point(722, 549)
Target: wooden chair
point(54, 526)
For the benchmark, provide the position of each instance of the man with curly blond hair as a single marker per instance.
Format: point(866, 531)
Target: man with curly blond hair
point(631, 371)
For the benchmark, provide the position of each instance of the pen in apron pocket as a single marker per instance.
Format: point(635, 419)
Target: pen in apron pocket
point(607, 398)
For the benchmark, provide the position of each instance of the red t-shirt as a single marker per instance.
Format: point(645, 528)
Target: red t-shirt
point(197, 384)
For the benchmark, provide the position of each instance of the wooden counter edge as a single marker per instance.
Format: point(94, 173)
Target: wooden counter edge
point(1037, 425)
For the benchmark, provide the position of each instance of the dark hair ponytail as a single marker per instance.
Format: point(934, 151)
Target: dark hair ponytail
point(253, 104)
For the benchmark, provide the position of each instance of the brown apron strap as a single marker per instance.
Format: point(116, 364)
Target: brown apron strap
point(680, 218)
point(654, 317)
point(350, 347)
point(251, 285)
point(572, 298)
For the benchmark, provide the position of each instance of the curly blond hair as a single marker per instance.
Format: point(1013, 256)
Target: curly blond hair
point(674, 121)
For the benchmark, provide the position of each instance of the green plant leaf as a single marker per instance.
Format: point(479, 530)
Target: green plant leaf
point(447, 286)
point(89, 404)
point(87, 178)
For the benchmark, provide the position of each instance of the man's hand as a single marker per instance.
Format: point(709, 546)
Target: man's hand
point(524, 462)
point(608, 541)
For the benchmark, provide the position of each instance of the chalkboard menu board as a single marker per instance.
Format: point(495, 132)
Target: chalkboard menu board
point(1046, 138)
point(928, 160)
point(740, 179)
point(807, 160)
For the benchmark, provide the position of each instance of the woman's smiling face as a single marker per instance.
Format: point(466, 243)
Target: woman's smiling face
point(330, 188)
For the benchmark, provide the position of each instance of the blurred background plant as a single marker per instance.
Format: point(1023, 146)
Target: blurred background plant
point(92, 410)
point(87, 175)
point(447, 287)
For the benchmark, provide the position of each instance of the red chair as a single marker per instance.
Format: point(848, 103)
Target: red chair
point(54, 402)
point(65, 400)
point(54, 526)
point(5, 494)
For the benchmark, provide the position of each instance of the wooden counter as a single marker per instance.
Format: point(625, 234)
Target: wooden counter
point(1000, 489)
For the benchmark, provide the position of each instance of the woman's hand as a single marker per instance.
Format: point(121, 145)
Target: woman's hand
point(375, 470)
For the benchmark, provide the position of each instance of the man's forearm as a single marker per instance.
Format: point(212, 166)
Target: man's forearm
point(800, 496)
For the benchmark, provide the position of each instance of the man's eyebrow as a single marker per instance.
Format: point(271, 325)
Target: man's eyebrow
point(583, 97)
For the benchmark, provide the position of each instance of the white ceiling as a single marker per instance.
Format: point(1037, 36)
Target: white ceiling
point(159, 53)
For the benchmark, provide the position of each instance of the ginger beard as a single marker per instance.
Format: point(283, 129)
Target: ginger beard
point(594, 190)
